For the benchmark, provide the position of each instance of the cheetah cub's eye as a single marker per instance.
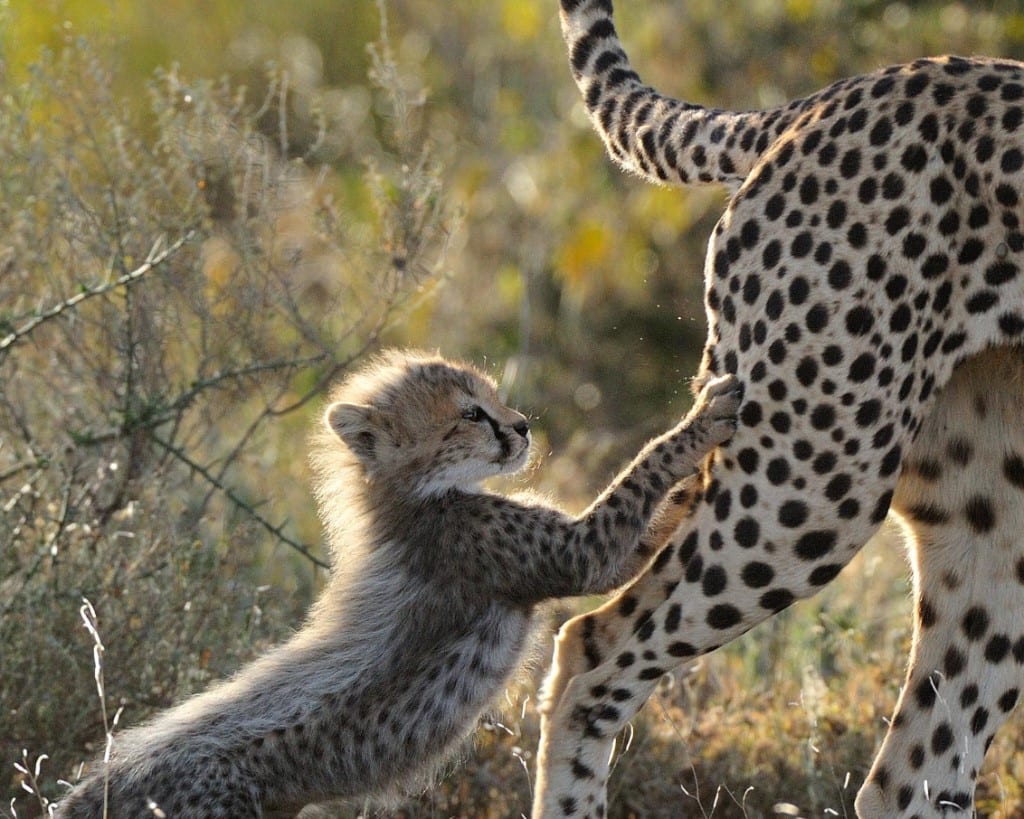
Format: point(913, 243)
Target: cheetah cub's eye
point(474, 414)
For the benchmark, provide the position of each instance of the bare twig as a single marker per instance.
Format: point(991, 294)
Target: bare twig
point(154, 259)
point(276, 531)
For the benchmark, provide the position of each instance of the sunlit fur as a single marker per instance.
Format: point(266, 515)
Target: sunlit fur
point(426, 616)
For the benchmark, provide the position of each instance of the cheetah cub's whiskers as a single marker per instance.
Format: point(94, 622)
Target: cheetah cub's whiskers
point(427, 614)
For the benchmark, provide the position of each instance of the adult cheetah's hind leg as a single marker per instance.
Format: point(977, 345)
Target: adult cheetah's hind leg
point(583, 641)
point(961, 496)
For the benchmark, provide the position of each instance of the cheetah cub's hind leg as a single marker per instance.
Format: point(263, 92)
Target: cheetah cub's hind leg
point(961, 497)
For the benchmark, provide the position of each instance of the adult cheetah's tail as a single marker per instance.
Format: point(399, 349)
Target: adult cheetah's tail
point(663, 139)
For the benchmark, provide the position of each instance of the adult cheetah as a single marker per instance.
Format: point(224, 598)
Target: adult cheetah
point(865, 285)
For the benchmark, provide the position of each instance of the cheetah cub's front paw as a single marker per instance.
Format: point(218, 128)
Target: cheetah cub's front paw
point(714, 412)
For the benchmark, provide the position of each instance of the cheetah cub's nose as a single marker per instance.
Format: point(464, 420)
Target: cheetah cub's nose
point(522, 428)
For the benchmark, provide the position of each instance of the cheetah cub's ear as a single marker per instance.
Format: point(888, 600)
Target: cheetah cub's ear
point(358, 427)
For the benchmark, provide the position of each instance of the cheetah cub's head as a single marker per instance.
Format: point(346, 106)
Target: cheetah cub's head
point(420, 422)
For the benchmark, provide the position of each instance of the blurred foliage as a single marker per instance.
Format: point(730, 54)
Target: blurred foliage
point(312, 172)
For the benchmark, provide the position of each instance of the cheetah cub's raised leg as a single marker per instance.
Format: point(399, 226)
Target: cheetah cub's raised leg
point(683, 451)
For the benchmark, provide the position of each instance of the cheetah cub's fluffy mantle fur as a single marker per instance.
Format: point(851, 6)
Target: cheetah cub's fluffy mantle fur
point(428, 611)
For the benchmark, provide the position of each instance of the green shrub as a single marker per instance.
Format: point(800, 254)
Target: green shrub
point(177, 289)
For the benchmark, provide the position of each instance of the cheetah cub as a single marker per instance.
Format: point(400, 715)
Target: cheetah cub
point(428, 611)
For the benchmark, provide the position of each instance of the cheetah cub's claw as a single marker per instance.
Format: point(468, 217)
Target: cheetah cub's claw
point(715, 411)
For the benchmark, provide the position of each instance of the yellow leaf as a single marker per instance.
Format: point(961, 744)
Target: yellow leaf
point(521, 19)
point(583, 252)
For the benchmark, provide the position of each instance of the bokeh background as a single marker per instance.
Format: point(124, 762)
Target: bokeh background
point(313, 180)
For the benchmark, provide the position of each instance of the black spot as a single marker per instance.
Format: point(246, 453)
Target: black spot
point(627, 605)
point(959, 451)
point(747, 532)
point(817, 318)
point(849, 165)
point(807, 371)
point(980, 514)
point(859, 321)
point(979, 720)
point(880, 132)
point(651, 673)
point(1000, 273)
point(975, 623)
point(751, 289)
point(857, 235)
point(903, 797)
point(824, 574)
point(751, 414)
point(780, 422)
point(749, 233)
point(869, 412)
point(824, 463)
point(1011, 161)
point(836, 214)
point(982, 301)
point(969, 696)
point(1008, 700)
point(757, 575)
point(681, 649)
point(897, 220)
point(926, 613)
point(778, 471)
point(900, 319)
point(891, 462)
point(776, 600)
point(748, 460)
point(862, 368)
point(941, 190)
point(714, 581)
point(942, 738)
point(840, 275)
point(694, 569)
point(815, 544)
point(823, 416)
point(924, 691)
point(914, 158)
point(954, 662)
point(644, 627)
point(793, 513)
point(688, 547)
point(882, 507)
point(723, 616)
point(997, 648)
point(1013, 470)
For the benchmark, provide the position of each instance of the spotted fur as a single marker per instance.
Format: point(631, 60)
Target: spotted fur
point(865, 285)
point(426, 616)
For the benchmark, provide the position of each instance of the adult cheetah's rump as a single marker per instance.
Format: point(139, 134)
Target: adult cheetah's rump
point(865, 284)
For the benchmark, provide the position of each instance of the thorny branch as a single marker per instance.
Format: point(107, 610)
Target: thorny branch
point(276, 531)
point(155, 258)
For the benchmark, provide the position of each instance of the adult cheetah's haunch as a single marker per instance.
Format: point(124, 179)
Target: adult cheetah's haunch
point(865, 284)
point(426, 616)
